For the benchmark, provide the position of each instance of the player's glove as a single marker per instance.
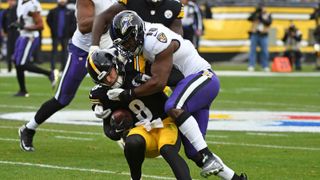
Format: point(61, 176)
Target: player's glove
point(100, 113)
point(119, 94)
point(16, 25)
point(93, 49)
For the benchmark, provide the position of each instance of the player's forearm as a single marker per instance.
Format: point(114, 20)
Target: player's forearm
point(85, 24)
point(98, 29)
point(152, 86)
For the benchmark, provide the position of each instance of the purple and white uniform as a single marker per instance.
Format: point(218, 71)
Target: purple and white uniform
point(28, 41)
point(198, 89)
point(75, 69)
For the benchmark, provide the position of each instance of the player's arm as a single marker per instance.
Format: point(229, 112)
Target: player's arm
point(160, 71)
point(103, 20)
point(85, 15)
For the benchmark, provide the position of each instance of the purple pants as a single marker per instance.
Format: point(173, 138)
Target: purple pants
point(24, 48)
point(73, 74)
point(194, 94)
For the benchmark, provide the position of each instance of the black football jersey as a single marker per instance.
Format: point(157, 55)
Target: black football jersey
point(165, 13)
point(148, 107)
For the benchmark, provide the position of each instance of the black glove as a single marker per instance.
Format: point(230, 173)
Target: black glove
point(127, 95)
point(16, 25)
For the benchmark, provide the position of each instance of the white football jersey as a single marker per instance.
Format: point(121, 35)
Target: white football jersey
point(23, 8)
point(83, 41)
point(186, 58)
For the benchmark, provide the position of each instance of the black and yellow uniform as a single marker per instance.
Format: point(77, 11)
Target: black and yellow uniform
point(165, 13)
point(145, 140)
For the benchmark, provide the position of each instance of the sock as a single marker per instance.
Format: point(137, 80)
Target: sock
point(190, 129)
point(32, 68)
point(32, 124)
point(47, 109)
point(21, 79)
point(227, 173)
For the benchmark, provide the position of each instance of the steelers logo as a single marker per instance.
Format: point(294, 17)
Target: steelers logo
point(168, 14)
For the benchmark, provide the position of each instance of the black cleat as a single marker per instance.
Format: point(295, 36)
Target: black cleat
point(21, 94)
point(212, 166)
point(26, 138)
point(243, 176)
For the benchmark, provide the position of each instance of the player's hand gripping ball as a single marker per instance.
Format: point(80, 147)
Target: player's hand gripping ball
point(121, 120)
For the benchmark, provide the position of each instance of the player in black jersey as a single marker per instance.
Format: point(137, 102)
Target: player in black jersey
point(155, 134)
point(166, 12)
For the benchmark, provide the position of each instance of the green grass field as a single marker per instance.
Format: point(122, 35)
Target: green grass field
point(82, 152)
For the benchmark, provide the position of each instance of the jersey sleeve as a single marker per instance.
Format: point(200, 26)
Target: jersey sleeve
point(155, 42)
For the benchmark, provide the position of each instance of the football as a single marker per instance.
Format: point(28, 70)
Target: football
point(121, 120)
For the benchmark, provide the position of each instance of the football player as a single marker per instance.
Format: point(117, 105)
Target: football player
point(155, 133)
point(190, 101)
point(29, 24)
point(167, 12)
point(74, 71)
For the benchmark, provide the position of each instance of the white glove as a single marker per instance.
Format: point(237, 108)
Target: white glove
point(93, 48)
point(100, 113)
point(113, 94)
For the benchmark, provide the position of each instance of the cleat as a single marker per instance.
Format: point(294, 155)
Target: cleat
point(26, 138)
point(243, 176)
point(21, 94)
point(54, 78)
point(212, 166)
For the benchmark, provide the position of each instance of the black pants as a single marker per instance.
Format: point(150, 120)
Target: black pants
point(64, 52)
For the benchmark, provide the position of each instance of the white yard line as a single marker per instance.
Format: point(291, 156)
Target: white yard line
point(266, 146)
point(74, 138)
point(78, 169)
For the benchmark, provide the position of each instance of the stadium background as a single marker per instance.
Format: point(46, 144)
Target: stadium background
point(226, 33)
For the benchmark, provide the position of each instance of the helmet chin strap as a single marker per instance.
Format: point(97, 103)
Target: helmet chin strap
point(118, 83)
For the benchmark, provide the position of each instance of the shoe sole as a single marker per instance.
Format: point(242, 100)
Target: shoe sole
point(21, 143)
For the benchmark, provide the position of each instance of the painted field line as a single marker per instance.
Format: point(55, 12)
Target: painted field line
point(78, 169)
point(265, 146)
point(9, 139)
point(267, 134)
point(56, 130)
point(19, 107)
point(74, 138)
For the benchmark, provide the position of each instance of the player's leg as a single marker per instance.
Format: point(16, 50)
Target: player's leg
point(193, 93)
point(134, 152)
point(18, 54)
point(72, 77)
point(169, 145)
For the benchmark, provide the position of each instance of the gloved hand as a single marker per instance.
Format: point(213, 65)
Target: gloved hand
point(119, 94)
point(16, 25)
point(92, 49)
point(100, 113)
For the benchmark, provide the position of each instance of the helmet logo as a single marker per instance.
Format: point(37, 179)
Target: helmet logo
point(162, 38)
point(126, 23)
point(168, 14)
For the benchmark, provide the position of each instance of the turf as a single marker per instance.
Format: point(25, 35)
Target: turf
point(82, 152)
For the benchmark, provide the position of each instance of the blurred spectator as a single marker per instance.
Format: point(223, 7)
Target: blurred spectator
point(207, 10)
point(62, 24)
point(292, 39)
point(316, 16)
point(9, 17)
point(261, 21)
point(192, 22)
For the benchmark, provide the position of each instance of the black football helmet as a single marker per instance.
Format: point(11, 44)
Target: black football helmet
point(127, 32)
point(100, 63)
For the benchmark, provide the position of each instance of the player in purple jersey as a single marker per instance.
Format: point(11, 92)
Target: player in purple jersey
point(29, 24)
point(74, 71)
point(190, 101)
